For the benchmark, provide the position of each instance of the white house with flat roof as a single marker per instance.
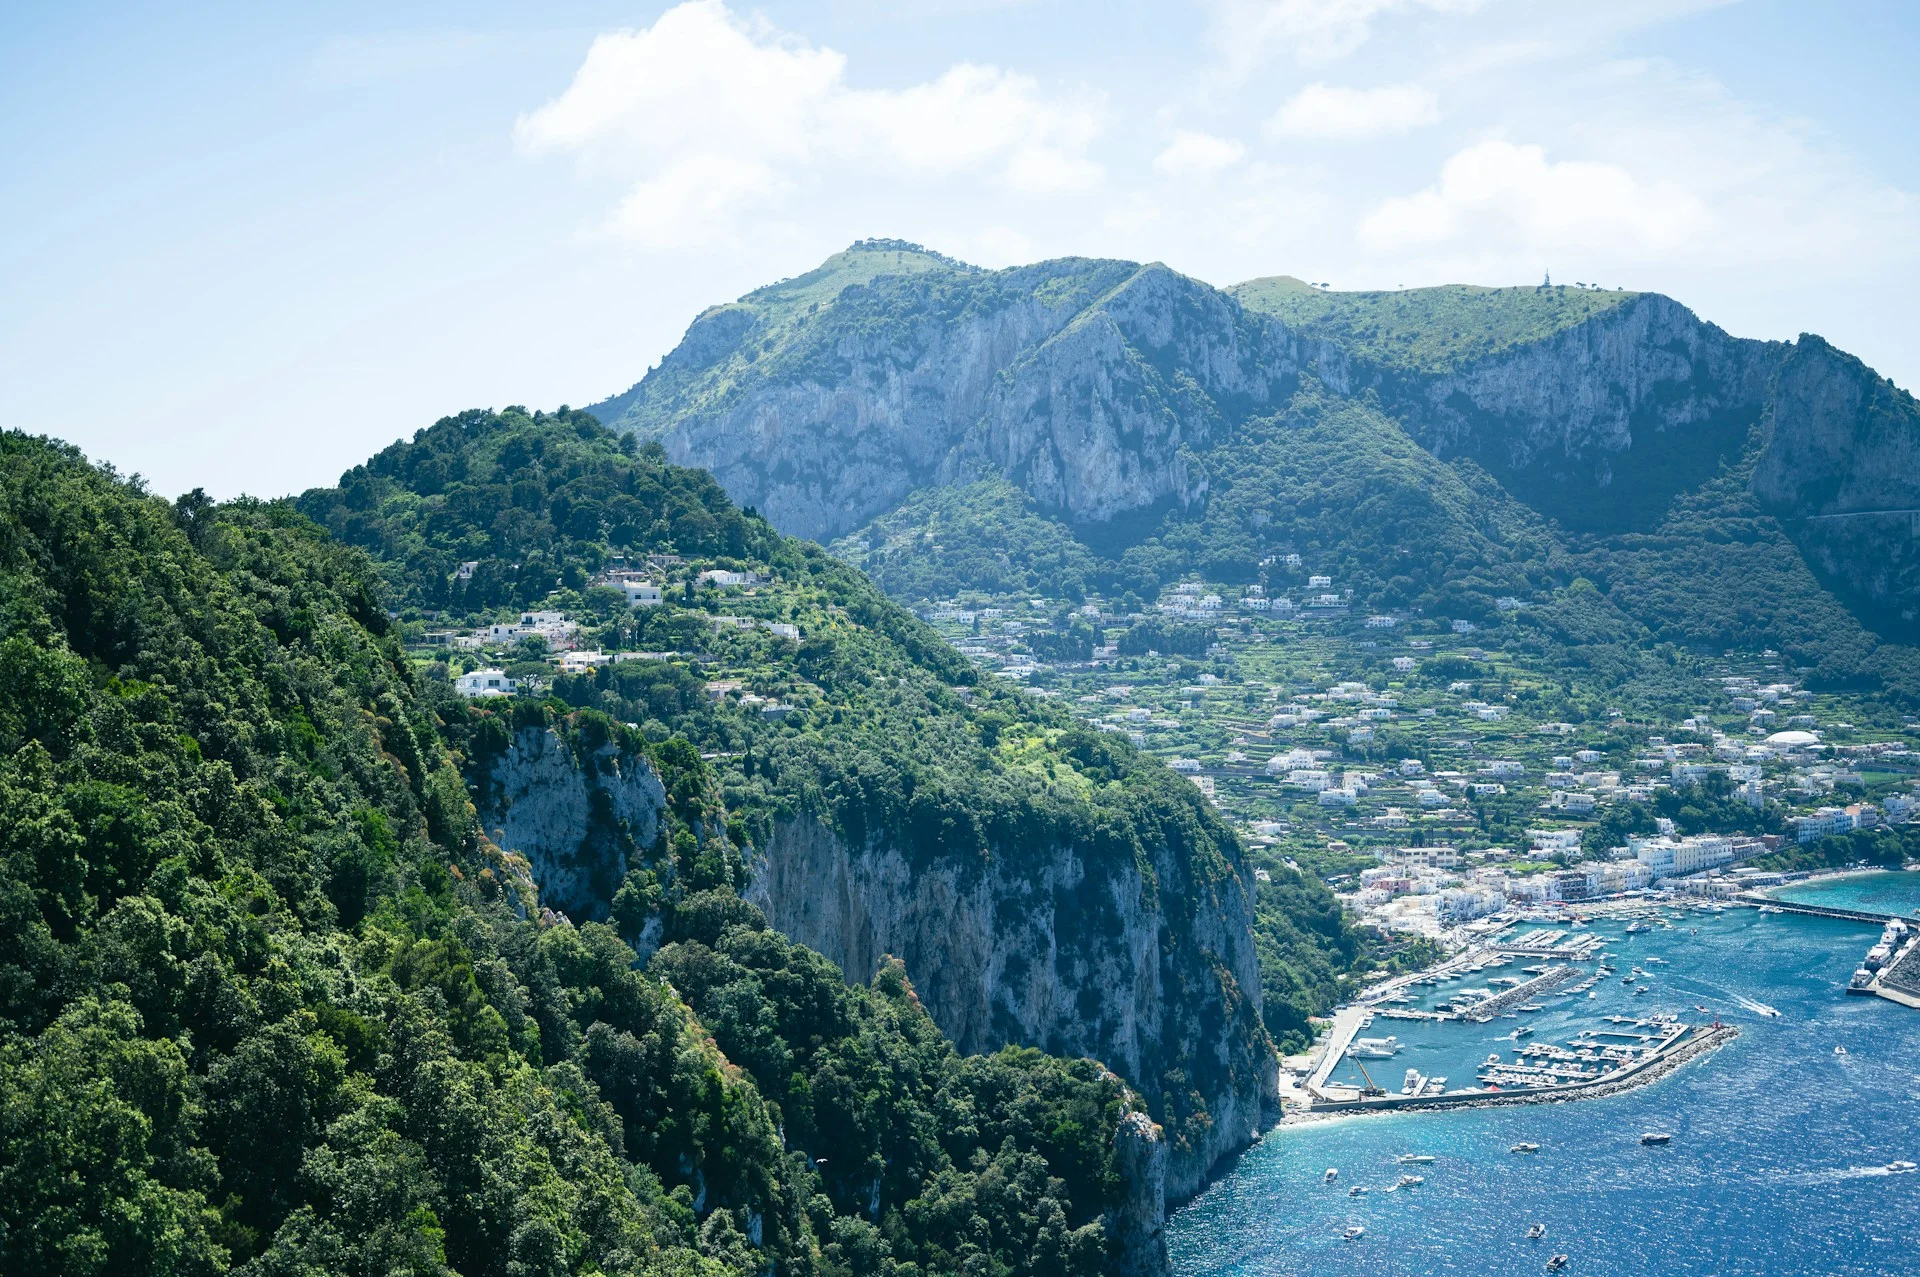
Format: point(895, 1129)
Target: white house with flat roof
point(487, 682)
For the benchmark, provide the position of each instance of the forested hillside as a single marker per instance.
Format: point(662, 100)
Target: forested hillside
point(1044, 883)
point(271, 1002)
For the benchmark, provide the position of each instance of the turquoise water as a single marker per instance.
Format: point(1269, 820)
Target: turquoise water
point(1878, 892)
point(1775, 1165)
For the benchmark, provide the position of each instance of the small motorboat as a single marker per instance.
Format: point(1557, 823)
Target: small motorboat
point(1901, 1168)
point(1839, 1050)
point(1358, 1190)
point(1535, 1233)
point(1555, 1264)
point(1416, 1159)
point(1332, 1174)
point(1409, 1181)
point(1353, 1234)
point(1655, 1137)
point(1524, 1148)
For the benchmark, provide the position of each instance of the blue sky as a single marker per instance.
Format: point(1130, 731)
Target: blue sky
point(246, 245)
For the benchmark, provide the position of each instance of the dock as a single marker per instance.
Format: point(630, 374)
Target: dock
point(1518, 995)
point(1683, 1045)
point(1820, 911)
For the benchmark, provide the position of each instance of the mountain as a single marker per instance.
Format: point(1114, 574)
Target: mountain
point(1042, 884)
point(1439, 446)
point(274, 999)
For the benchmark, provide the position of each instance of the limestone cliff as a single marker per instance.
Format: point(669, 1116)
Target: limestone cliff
point(1141, 967)
point(575, 815)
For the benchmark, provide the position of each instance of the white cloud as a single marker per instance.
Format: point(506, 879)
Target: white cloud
point(710, 117)
point(1192, 154)
point(1501, 191)
point(1248, 32)
point(1329, 111)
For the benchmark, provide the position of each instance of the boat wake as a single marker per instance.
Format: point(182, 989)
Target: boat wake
point(1838, 1175)
point(1758, 1008)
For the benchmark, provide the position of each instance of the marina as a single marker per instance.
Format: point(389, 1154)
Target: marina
point(1768, 1122)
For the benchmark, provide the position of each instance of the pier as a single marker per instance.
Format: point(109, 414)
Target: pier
point(1819, 911)
point(1682, 1046)
point(1517, 995)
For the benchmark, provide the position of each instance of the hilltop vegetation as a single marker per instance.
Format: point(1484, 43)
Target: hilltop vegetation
point(268, 998)
point(1427, 330)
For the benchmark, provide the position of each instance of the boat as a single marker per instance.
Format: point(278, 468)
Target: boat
point(1839, 1050)
point(1409, 1181)
point(1535, 1233)
point(1901, 1168)
point(1522, 1031)
point(1524, 1148)
point(1358, 1190)
point(1655, 1137)
point(1353, 1234)
point(1416, 1159)
point(1635, 928)
point(1332, 1175)
point(1555, 1264)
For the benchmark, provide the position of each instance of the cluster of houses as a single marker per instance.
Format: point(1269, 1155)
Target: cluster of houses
point(1429, 889)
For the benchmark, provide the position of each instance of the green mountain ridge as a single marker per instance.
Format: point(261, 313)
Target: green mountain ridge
point(1640, 447)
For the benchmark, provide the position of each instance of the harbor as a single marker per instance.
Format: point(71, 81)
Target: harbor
point(1610, 1041)
point(1760, 1116)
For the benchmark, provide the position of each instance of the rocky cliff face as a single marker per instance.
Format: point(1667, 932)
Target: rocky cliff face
point(575, 817)
point(1644, 396)
point(1157, 978)
point(1093, 384)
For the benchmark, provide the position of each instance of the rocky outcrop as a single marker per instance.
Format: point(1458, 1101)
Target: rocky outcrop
point(1151, 972)
point(1645, 390)
point(1109, 415)
point(576, 816)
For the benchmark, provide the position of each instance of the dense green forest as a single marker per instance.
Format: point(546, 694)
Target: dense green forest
point(889, 733)
point(270, 1002)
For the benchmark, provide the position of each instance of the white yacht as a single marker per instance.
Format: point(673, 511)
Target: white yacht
point(1416, 1159)
point(1524, 1147)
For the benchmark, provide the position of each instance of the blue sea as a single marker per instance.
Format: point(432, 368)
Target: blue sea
point(1779, 1143)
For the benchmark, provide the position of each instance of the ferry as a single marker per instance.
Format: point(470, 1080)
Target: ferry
point(1655, 1137)
point(1524, 1148)
point(1353, 1234)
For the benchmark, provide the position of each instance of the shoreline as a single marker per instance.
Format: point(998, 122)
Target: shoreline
point(1706, 1039)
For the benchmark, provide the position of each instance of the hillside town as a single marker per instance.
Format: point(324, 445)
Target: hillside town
point(1423, 767)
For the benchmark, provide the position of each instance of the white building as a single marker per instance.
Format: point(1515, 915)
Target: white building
point(487, 682)
point(1319, 582)
point(1423, 857)
point(642, 593)
point(1826, 821)
point(1338, 798)
point(1666, 857)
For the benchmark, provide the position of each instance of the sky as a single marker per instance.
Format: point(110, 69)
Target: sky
point(245, 246)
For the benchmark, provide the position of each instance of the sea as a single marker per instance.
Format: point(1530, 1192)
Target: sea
point(1780, 1145)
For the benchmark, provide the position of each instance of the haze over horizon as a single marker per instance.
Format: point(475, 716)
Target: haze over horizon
point(278, 241)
